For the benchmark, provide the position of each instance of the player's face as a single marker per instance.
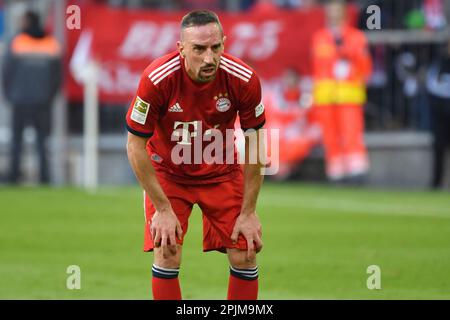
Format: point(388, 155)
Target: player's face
point(202, 47)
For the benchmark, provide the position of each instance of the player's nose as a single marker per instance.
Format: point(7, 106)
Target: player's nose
point(209, 57)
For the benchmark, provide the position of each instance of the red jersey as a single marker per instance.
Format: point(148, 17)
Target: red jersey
point(172, 109)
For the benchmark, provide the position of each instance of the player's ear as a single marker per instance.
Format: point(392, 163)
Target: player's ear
point(223, 42)
point(180, 48)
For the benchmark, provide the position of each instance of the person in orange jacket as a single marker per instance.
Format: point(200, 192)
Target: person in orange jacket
point(341, 67)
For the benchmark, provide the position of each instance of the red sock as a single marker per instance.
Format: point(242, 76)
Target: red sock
point(243, 284)
point(165, 284)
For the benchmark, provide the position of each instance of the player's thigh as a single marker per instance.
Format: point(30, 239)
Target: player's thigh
point(170, 256)
point(181, 207)
point(221, 205)
point(181, 202)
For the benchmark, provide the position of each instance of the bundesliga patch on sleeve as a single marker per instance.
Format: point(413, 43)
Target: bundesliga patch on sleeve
point(259, 110)
point(140, 111)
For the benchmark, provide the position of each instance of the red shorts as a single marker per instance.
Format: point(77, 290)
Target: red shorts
point(220, 204)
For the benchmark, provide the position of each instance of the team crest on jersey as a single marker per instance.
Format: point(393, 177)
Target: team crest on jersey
point(222, 102)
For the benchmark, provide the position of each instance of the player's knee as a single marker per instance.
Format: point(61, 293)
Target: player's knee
point(241, 267)
point(238, 259)
point(167, 260)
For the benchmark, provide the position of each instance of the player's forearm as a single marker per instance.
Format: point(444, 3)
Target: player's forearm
point(145, 174)
point(253, 180)
point(253, 177)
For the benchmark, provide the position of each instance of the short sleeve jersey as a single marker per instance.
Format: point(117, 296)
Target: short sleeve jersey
point(184, 118)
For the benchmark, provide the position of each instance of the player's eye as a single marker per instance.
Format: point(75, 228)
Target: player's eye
point(199, 49)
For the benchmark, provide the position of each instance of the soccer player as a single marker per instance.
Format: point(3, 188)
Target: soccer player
point(182, 96)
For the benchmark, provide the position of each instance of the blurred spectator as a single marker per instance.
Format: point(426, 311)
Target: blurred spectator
point(434, 14)
point(425, 14)
point(412, 75)
point(377, 107)
point(264, 7)
point(438, 84)
point(341, 67)
point(201, 4)
point(296, 4)
point(415, 15)
point(2, 19)
point(292, 91)
point(287, 104)
point(410, 14)
point(305, 4)
point(31, 78)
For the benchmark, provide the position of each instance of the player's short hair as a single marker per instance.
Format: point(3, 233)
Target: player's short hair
point(199, 18)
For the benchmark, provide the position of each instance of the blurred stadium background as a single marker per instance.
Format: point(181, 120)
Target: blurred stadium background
point(319, 237)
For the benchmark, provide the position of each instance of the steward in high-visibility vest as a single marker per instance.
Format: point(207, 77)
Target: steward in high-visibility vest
point(341, 67)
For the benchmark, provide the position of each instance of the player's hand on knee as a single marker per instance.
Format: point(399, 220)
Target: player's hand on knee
point(258, 240)
point(168, 248)
point(249, 226)
point(254, 245)
point(165, 227)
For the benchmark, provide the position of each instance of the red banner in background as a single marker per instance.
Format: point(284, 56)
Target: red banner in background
point(124, 42)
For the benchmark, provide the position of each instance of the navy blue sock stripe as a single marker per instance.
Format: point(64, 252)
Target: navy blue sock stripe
point(245, 274)
point(170, 270)
point(164, 273)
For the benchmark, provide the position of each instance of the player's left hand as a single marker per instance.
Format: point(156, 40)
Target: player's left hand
point(249, 226)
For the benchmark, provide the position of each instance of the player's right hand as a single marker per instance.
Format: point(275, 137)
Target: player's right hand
point(165, 227)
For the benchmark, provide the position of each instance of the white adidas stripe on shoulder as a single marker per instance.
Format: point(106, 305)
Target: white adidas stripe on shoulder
point(157, 75)
point(240, 76)
point(230, 67)
point(239, 66)
point(170, 66)
point(163, 66)
point(173, 69)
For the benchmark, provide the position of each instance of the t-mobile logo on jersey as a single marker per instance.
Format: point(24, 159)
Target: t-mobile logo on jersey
point(184, 132)
point(191, 147)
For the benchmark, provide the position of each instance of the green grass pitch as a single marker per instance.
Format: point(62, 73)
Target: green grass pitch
point(318, 243)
